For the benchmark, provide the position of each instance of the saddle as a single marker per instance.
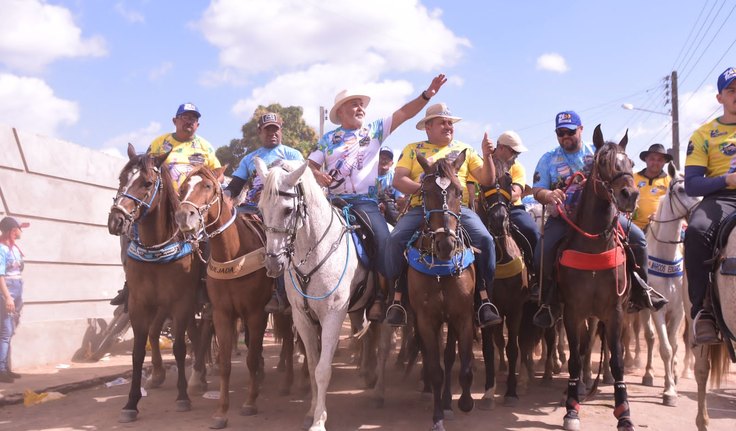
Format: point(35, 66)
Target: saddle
point(363, 235)
point(727, 266)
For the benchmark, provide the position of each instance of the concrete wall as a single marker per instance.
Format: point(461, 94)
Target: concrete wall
point(72, 263)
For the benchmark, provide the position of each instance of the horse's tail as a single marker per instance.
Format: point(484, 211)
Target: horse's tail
point(282, 324)
point(720, 362)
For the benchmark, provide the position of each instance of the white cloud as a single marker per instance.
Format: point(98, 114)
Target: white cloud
point(129, 15)
point(697, 108)
point(552, 62)
point(262, 35)
point(30, 104)
point(140, 138)
point(35, 34)
point(160, 71)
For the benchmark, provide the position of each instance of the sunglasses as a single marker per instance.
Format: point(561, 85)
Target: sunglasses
point(565, 132)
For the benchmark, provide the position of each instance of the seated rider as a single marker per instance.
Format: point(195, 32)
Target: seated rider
point(270, 151)
point(710, 171)
point(509, 146)
point(439, 125)
point(185, 150)
point(652, 182)
point(390, 200)
point(550, 176)
point(350, 156)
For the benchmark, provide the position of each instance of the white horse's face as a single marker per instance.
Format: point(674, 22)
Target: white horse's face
point(281, 216)
point(679, 202)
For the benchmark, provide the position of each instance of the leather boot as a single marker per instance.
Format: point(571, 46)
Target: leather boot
point(396, 314)
point(122, 296)
point(549, 311)
point(642, 295)
point(705, 329)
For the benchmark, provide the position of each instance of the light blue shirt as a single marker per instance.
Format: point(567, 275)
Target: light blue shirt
point(247, 168)
point(556, 166)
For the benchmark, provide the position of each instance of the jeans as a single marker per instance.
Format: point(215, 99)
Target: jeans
point(485, 262)
point(378, 225)
point(8, 321)
point(526, 225)
point(556, 228)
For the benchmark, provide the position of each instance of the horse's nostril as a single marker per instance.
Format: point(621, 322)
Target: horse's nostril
point(626, 193)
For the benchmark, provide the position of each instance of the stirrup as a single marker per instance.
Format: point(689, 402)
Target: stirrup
point(393, 317)
point(544, 312)
point(494, 320)
point(705, 329)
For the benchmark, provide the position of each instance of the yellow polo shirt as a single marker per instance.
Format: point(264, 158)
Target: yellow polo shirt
point(650, 192)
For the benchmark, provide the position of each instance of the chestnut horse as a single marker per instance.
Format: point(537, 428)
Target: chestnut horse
point(161, 271)
point(237, 284)
point(438, 299)
point(590, 287)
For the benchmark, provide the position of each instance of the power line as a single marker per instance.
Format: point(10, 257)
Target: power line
point(691, 52)
point(688, 35)
point(707, 75)
point(711, 41)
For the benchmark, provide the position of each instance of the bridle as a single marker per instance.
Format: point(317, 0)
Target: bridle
point(144, 202)
point(202, 211)
point(456, 235)
point(673, 196)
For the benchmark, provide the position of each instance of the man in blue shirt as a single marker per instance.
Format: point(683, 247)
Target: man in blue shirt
point(550, 188)
point(390, 200)
point(271, 151)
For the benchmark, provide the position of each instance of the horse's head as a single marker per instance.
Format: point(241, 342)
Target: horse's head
point(140, 187)
point(441, 198)
point(612, 175)
point(201, 201)
point(676, 202)
point(497, 200)
point(283, 207)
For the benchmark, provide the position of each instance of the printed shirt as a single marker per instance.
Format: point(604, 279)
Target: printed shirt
point(384, 189)
point(183, 156)
point(247, 168)
point(650, 192)
point(351, 157)
point(433, 153)
point(713, 146)
point(11, 261)
point(556, 166)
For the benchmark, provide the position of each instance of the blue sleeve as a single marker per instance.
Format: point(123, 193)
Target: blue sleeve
point(541, 173)
point(3, 261)
point(242, 171)
point(697, 184)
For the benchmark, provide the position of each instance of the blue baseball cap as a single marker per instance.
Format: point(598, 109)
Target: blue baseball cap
point(726, 78)
point(187, 107)
point(568, 120)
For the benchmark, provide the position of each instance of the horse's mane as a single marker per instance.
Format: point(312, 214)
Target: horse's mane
point(146, 163)
point(274, 181)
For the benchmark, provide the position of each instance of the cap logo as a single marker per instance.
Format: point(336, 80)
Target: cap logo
point(269, 118)
point(189, 107)
point(564, 117)
point(729, 73)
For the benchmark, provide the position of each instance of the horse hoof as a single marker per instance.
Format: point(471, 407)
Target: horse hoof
point(183, 405)
point(647, 380)
point(466, 403)
point(669, 400)
point(127, 416)
point(218, 423)
point(438, 426)
point(155, 381)
point(248, 410)
point(510, 401)
point(449, 414)
point(308, 421)
point(486, 403)
point(571, 424)
point(625, 425)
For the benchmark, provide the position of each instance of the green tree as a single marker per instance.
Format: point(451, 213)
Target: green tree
point(295, 133)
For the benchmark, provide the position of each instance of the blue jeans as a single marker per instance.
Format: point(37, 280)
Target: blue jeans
point(485, 262)
point(8, 321)
point(556, 228)
point(524, 221)
point(378, 225)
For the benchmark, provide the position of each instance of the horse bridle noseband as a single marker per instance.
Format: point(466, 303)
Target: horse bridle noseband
point(139, 202)
point(202, 210)
point(688, 211)
point(445, 211)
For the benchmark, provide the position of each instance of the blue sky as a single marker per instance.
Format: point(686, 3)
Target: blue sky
point(104, 73)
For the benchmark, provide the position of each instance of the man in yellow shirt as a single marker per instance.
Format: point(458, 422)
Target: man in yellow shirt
point(652, 183)
point(186, 149)
point(439, 124)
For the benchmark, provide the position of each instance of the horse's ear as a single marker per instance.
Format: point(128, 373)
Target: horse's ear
point(220, 173)
point(671, 170)
point(261, 167)
point(131, 151)
point(159, 160)
point(598, 137)
point(292, 178)
point(423, 162)
point(624, 140)
point(527, 190)
point(458, 163)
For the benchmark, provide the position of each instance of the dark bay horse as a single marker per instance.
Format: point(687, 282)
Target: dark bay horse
point(237, 284)
point(592, 270)
point(162, 277)
point(443, 299)
point(510, 285)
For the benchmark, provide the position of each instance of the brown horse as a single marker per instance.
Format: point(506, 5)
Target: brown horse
point(510, 285)
point(237, 283)
point(593, 287)
point(163, 277)
point(438, 299)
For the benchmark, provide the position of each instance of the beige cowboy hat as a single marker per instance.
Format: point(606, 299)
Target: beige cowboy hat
point(434, 111)
point(343, 97)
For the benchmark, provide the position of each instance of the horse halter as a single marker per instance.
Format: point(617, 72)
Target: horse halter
point(300, 214)
point(673, 196)
point(502, 198)
point(144, 202)
point(443, 183)
point(204, 209)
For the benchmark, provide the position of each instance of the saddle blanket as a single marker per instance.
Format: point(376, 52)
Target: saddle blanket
point(593, 261)
point(166, 254)
point(236, 268)
point(430, 265)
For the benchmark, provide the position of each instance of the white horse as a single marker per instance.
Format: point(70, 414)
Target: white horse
point(712, 362)
point(309, 239)
point(666, 277)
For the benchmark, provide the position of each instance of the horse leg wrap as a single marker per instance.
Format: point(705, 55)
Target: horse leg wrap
point(622, 403)
point(573, 402)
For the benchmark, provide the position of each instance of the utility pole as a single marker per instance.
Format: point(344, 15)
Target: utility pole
point(322, 113)
point(675, 122)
